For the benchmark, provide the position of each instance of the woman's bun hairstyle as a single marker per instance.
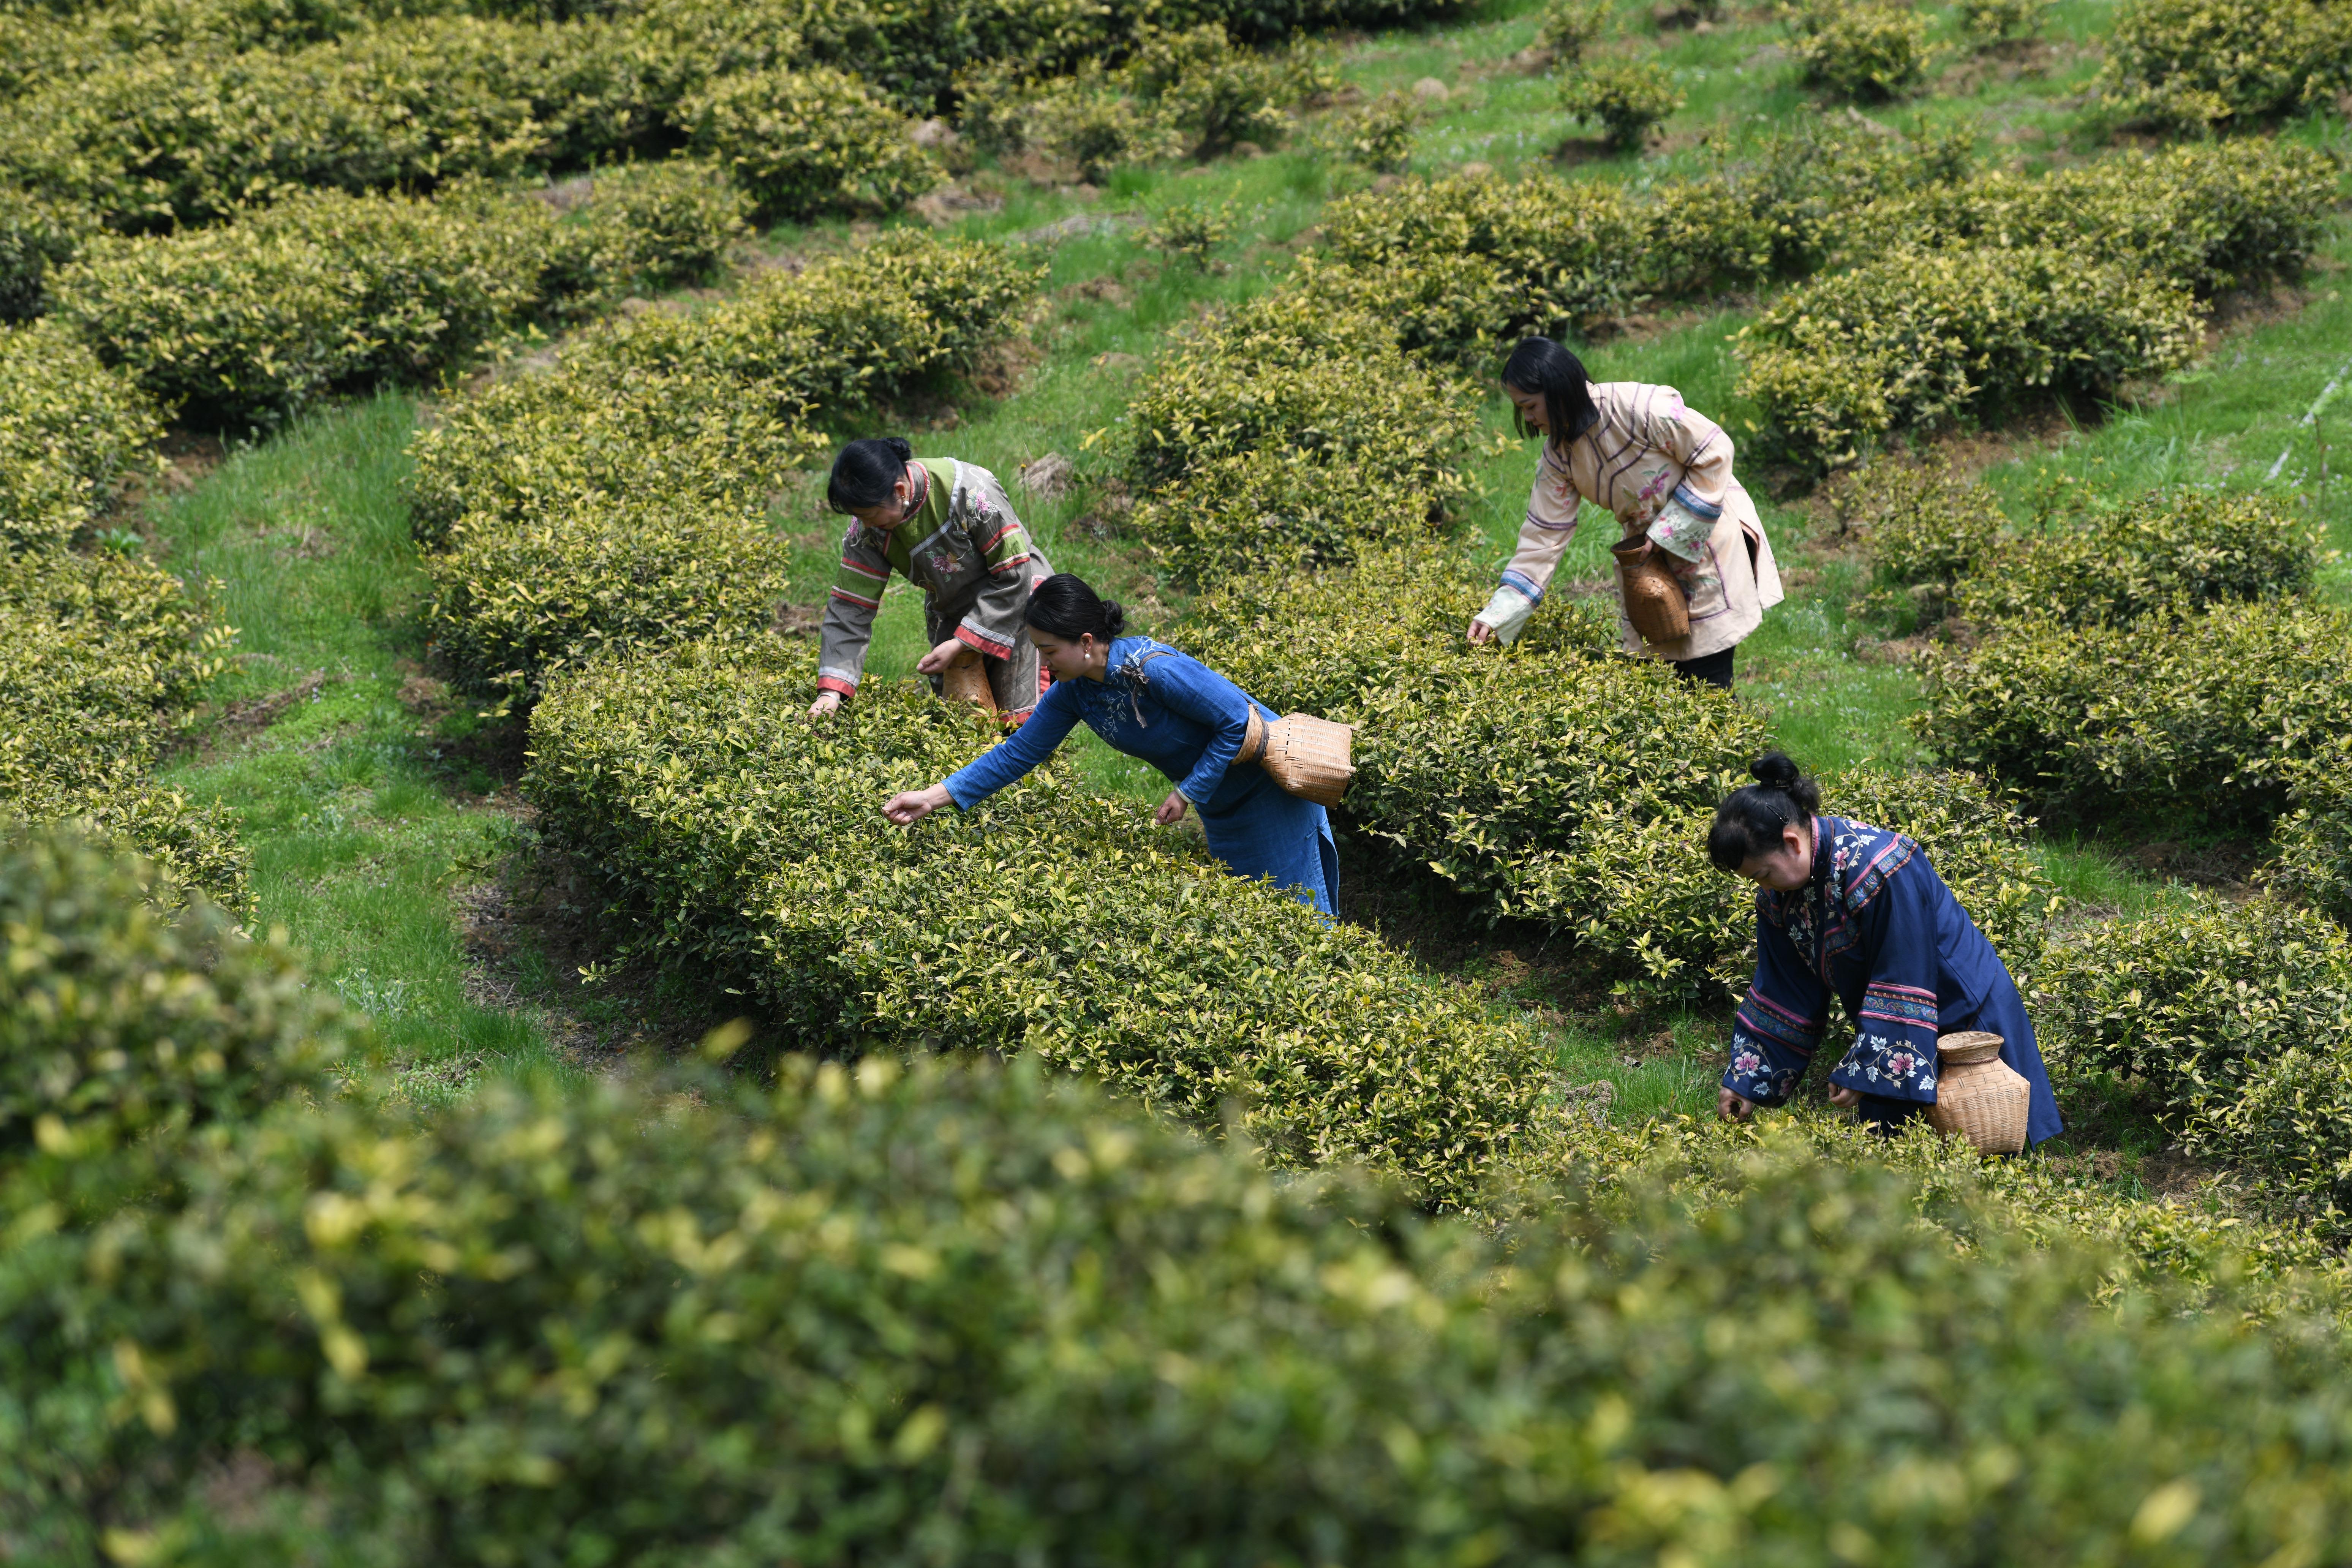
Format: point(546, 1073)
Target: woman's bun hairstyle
point(865, 472)
point(1774, 770)
point(1066, 606)
point(1750, 822)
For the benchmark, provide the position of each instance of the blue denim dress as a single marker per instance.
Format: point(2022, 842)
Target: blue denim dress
point(1184, 719)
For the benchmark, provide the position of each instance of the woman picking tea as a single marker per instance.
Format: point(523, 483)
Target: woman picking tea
point(1665, 471)
point(1847, 908)
point(1151, 701)
point(946, 526)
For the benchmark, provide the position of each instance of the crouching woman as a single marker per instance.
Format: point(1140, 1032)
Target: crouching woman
point(1151, 701)
point(1846, 907)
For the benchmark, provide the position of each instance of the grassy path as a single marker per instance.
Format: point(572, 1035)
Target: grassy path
point(372, 801)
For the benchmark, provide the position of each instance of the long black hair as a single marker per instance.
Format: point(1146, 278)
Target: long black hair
point(1541, 366)
point(1066, 605)
point(1749, 821)
point(865, 472)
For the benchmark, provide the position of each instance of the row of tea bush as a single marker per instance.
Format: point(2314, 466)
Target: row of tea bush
point(99, 654)
point(621, 498)
point(2203, 64)
point(241, 324)
point(255, 1312)
point(808, 106)
point(1945, 290)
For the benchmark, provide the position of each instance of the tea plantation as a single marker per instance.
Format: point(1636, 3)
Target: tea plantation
point(480, 1081)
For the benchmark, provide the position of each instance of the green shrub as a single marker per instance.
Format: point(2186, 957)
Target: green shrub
point(1923, 524)
point(647, 226)
point(2209, 217)
point(1919, 338)
point(1377, 135)
point(2314, 837)
point(2203, 63)
point(2002, 21)
point(711, 407)
point(242, 324)
point(867, 1313)
point(1870, 51)
point(1625, 97)
point(98, 655)
point(2187, 1001)
point(71, 433)
point(807, 142)
point(2190, 548)
point(35, 236)
point(746, 837)
point(1562, 783)
point(1200, 83)
point(118, 1023)
point(1566, 29)
point(511, 607)
point(2206, 713)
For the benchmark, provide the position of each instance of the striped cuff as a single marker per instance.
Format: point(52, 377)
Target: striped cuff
point(1527, 585)
point(835, 683)
point(994, 646)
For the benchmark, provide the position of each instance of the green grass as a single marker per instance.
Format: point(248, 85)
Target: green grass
point(362, 816)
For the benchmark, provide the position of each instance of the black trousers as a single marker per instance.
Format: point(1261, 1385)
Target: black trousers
point(1714, 669)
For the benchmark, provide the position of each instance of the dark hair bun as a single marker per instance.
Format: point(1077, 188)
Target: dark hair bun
point(1775, 771)
point(1115, 617)
point(900, 447)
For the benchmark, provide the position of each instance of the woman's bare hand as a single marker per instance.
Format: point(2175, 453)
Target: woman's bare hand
point(1844, 1098)
point(827, 701)
point(1480, 632)
point(911, 807)
point(940, 657)
point(1731, 1106)
point(1171, 810)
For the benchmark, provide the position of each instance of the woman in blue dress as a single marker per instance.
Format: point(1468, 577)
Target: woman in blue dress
point(1151, 701)
point(1847, 908)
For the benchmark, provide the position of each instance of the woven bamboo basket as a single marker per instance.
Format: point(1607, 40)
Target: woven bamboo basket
point(1977, 1096)
point(965, 680)
point(1654, 604)
point(1306, 756)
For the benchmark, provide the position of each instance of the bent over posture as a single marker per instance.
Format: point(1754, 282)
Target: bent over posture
point(1149, 700)
point(1847, 908)
point(946, 526)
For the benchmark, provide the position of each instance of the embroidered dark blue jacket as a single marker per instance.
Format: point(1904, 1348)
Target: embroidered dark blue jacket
point(1878, 926)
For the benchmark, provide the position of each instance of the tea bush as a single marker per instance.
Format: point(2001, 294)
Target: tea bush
point(651, 225)
point(2199, 64)
point(323, 292)
point(747, 838)
point(2178, 548)
point(1566, 29)
point(511, 607)
point(98, 655)
point(166, 137)
point(1917, 338)
point(1868, 50)
point(2187, 1001)
point(2313, 838)
point(807, 142)
point(1625, 97)
point(1282, 432)
point(2211, 217)
point(970, 1309)
point(1923, 524)
point(1377, 135)
point(711, 407)
point(119, 1023)
point(35, 235)
point(2002, 21)
point(71, 433)
point(1562, 783)
point(2207, 713)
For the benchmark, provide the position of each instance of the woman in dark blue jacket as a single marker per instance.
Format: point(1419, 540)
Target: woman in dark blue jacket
point(1151, 701)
